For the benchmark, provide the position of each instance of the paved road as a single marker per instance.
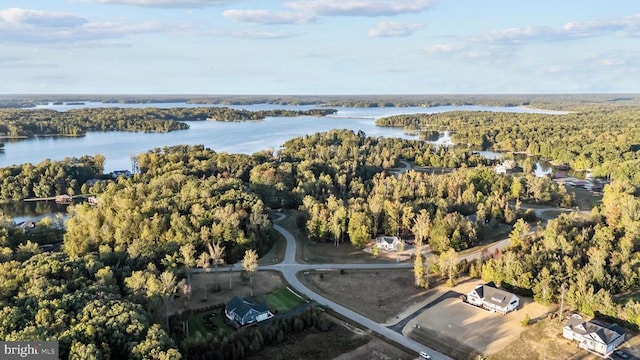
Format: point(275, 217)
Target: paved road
point(289, 267)
point(402, 323)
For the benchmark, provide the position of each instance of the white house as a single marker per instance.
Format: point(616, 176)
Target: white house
point(491, 298)
point(593, 337)
point(389, 243)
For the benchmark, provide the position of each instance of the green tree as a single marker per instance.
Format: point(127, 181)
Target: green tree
point(359, 228)
point(449, 266)
point(168, 286)
point(188, 252)
point(250, 265)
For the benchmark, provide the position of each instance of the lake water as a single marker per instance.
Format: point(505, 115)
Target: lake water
point(233, 137)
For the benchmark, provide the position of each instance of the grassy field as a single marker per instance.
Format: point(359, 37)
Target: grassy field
point(584, 198)
point(281, 300)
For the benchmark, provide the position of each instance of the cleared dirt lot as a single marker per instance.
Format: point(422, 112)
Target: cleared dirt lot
point(378, 295)
point(464, 331)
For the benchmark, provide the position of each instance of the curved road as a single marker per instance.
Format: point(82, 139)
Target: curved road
point(289, 267)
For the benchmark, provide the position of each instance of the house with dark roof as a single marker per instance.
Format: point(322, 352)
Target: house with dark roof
point(488, 296)
point(593, 337)
point(245, 311)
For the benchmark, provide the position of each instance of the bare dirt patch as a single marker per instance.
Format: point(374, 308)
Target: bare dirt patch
point(542, 340)
point(376, 294)
point(465, 331)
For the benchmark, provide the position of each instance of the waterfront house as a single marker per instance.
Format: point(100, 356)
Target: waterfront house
point(64, 199)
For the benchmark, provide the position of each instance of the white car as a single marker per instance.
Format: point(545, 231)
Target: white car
point(424, 355)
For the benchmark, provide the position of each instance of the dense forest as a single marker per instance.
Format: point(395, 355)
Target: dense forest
point(544, 101)
point(603, 139)
point(29, 123)
point(49, 178)
point(590, 260)
point(124, 256)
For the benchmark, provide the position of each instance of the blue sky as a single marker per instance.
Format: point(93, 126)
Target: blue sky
point(319, 46)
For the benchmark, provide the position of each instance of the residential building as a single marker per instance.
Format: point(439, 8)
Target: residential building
point(593, 337)
point(488, 296)
point(389, 243)
point(245, 311)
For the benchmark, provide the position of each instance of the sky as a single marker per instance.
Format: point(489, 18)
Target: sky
point(316, 47)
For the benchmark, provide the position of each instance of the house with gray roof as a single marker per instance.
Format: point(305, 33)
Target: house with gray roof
point(488, 296)
point(593, 337)
point(389, 243)
point(244, 311)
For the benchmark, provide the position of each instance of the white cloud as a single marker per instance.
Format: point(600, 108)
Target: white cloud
point(37, 26)
point(445, 48)
point(623, 26)
point(359, 7)
point(15, 17)
point(244, 34)
point(267, 17)
point(394, 29)
point(164, 3)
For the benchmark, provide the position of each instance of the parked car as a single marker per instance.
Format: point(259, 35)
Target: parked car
point(424, 355)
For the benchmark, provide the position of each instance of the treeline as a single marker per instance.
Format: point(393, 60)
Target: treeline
point(604, 139)
point(585, 260)
point(49, 178)
point(392, 205)
point(250, 340)
point(228, 114)
point(29, 123)
point(346, 196)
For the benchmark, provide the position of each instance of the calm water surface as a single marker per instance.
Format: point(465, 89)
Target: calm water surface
point(233, 137)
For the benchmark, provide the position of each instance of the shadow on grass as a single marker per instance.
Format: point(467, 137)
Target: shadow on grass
point(209, 321)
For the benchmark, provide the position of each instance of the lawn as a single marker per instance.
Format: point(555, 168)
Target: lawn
point(585, 198)
point(281, 300)
point(197, 323)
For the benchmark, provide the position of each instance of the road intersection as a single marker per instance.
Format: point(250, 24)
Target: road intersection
point(289, 268)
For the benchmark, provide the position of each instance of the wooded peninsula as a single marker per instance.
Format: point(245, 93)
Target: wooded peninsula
point(105, 294)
